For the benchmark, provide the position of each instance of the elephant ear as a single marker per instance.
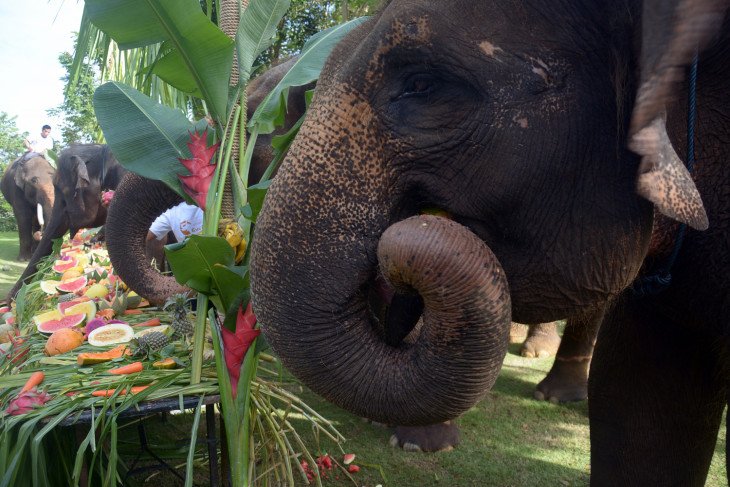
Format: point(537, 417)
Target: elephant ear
point(673, 31)
point(82, 173)
point(19, 175)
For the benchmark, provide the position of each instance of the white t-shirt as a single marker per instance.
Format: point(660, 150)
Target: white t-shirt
point(41, 144)
point(182, 220)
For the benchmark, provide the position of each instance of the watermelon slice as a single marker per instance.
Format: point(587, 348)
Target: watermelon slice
point(73, 285)
point(62, 266)
point(4, 309)
point(48, 315)
point(86, 307)
point(67, 321)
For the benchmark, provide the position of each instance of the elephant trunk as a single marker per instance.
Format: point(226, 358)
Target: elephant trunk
point(136, 204)
point(56, 226)
point(324, 240)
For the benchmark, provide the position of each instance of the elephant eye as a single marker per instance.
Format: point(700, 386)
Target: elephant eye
point(34, 180)
point(419, 85)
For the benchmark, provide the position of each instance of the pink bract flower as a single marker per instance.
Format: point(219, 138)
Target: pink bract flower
point(201, 170)
point(27, 401)
point(235, 345)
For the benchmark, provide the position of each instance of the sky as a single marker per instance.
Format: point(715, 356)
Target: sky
point(32, 35)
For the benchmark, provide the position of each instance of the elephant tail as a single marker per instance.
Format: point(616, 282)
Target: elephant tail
point(136, 204)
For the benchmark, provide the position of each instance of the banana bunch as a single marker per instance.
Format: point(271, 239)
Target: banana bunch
point(230, 230)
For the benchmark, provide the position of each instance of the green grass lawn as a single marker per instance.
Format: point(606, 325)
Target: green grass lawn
point(508, 439)
point(10, 268)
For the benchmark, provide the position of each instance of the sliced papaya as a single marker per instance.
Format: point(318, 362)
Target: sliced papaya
point(92, 358)
point(167, 363)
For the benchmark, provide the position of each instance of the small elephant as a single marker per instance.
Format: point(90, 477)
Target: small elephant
point(84, 171)
point(549, 134)
point(28, 186)
point(138, 201)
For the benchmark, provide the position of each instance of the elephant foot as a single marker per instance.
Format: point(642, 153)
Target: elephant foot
point(517, 333)
point(567, 381)
point(542, 341)
point(432, 438)
point(23, 258)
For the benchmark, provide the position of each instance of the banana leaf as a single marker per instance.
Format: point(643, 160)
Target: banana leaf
point(199, 46)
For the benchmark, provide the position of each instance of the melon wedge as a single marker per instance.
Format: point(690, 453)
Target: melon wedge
point(49, 286)
point(110, 335)
point(67, 321)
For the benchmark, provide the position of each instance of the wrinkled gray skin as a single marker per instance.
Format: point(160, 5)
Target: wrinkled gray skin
point(139, 201)
point(518, 119)
point(25, 186)
point(84, 171)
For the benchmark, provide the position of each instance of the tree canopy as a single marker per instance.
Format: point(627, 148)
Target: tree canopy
point(79, 122)
point(11, 139)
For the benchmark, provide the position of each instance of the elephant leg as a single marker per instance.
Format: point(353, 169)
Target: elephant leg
point(517, 333)
point(542, 341)
point(431, 438)
point(24, 221)
point(568, 378)
point(655, 407)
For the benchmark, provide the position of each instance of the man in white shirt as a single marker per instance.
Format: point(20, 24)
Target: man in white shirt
point(182, 220)
point(40, 145)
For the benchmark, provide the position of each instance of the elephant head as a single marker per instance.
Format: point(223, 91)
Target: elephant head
point(34, 178)
point(27, 185)
point(510, 118)
point(83, 172)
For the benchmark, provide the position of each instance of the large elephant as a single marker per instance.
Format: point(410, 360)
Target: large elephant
point(28, 185)
point(84, 171)
point(520, 121)
point(139, 201)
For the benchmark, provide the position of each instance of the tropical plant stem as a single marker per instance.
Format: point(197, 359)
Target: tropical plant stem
point(244, 162)
point(211, 221)
point(199, 339)
point(243, 404)
point(229, 410)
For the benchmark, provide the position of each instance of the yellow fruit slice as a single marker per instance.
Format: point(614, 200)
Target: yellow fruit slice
point(87, 307)
point(49, 286)
point(167, 363)
point(72, 273)
point(47, 316)
point(96, 291)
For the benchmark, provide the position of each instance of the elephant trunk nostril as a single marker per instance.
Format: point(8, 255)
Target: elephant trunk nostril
point(401, 317)
point(396, 312)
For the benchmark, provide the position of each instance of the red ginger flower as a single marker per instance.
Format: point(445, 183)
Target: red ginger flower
point(201, 170)
point(106, 197)
point(235, 345)
point(27, 401)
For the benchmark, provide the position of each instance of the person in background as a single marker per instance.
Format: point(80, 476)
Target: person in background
point(182, 221)
point(39, 145)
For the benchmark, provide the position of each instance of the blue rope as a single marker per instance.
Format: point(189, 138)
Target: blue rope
point(659, 281)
